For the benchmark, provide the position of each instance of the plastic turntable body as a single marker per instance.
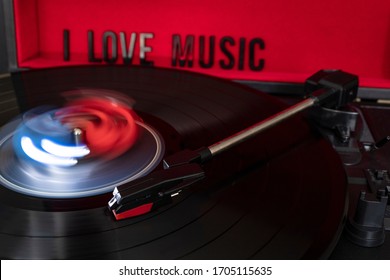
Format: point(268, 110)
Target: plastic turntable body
point(91, 108)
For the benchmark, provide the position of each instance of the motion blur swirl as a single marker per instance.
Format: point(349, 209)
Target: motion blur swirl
point(87, 147)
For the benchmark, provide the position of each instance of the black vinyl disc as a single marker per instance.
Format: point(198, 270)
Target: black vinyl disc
point(280, 195)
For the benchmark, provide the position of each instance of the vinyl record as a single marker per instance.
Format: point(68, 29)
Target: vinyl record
point(280, 195)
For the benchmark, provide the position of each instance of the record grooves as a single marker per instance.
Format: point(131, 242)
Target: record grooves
point(280, 195)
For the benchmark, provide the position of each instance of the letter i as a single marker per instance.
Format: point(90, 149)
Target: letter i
point(66, 45)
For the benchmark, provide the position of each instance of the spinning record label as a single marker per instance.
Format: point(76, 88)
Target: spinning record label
point(256, 200)
point(86, 178)
point(72, 151)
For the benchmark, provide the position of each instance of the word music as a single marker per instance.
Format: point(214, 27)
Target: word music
point(234, 54)
point(189, 51)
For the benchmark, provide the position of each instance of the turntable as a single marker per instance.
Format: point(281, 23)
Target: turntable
point(106, 153)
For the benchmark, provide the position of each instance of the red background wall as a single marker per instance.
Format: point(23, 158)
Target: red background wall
point(300, 36)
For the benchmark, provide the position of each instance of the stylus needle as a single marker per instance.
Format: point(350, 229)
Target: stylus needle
point(145, 194)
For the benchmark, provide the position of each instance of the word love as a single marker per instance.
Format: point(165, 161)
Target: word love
point(110, 47)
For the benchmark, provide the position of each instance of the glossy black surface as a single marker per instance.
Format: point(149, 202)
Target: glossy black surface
point(280, 195)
